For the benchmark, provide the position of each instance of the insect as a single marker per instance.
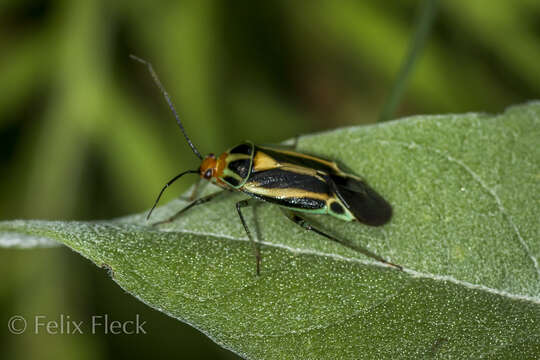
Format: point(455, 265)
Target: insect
point(298, 183)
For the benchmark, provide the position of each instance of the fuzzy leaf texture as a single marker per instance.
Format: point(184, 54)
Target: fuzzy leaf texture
point(465, 191)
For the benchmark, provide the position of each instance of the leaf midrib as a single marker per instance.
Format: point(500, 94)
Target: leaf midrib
point(413, 273)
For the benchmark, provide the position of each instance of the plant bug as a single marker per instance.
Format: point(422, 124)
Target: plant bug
point(296, 182)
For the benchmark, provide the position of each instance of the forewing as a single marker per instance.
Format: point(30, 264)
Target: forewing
point(289, 186)
point(363, 202)
point(284, 158)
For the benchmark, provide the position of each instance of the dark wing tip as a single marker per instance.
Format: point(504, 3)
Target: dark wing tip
point(375, 211)
point(365, 203)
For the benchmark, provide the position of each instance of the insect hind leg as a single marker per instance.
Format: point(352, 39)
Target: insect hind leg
point(256, 251)
point(299, 220)
point(294, 144)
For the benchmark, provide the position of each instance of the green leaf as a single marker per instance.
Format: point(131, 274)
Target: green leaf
point(465, 194)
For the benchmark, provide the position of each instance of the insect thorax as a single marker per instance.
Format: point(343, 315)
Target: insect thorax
point(239, 163)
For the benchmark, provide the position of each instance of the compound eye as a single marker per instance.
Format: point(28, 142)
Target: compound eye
point(208, 174)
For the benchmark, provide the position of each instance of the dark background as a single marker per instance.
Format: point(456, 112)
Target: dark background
point(84, 134)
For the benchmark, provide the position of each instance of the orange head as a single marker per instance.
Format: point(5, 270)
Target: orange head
point(212, 166)
point(208, 166)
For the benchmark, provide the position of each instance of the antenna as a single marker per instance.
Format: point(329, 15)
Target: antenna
point(169, 102)
point(166, 186)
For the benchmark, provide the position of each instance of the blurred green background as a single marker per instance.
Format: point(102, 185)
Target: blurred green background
point(84, 133)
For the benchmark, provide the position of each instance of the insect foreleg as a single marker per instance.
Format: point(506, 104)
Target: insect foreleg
point(256, 251)
point(297, 219)
point(200, 201)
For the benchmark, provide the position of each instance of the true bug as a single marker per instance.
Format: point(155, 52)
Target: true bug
point(296, 182)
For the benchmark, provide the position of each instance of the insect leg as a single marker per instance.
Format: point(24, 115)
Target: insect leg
point(297, 219)
point(199, 187)
point(200, 201)
point(256, 251)
point(295, 142)
point(292, 146)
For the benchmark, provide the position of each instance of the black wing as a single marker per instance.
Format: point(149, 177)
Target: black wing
point(366, 205)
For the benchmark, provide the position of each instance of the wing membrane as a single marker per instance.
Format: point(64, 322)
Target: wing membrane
point(365, 203)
